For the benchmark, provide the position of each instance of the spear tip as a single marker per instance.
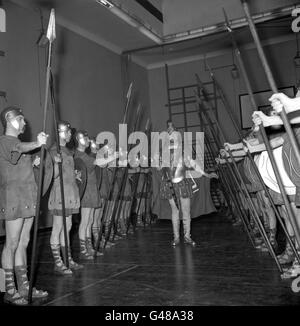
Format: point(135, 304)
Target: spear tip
point(51, 33)
point(147, 124)
point(129, 90)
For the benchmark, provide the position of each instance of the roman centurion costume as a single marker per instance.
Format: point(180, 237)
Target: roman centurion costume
point(18, 195)
point(71, 199)
point(90, 195)
point(175, 185)
point(17, 184)
point(176, 188)
point(71, 193)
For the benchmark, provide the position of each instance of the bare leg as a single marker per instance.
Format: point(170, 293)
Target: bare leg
point(21, 263)
point(85, 219)
point(56, 241)
point(186, 217)
point(175, 222)
point(21, 252)
point(62, 234)
point(89, 232)
point(85, 216)
point(90, 223)
point(288, 254)
point(57, 225)
point(287, 221)
point(13, 230)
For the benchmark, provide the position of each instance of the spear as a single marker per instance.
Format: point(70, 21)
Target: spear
point(271, 80)
point(135, 187)
point(124, 175)
point(60, 170)
point(106, 209)
point(290, 213)
point(51, 37)
point(228, 191)
point(228, 181)
point(243, 186)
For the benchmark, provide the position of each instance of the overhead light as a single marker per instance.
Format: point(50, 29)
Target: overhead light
point(105, 3)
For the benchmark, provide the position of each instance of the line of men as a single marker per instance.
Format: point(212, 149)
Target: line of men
point(289, 171)
point(18, 195)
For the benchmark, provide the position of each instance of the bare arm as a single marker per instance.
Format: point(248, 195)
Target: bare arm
point(192, 163)
point(234, 147)
point(280, 100)
point(27, 147)
point(275, 142)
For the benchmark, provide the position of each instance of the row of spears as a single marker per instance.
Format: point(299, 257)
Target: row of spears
point(241, 201)
point(114, 203)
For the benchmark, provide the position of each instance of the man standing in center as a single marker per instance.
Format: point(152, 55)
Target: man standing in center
point(176, 187)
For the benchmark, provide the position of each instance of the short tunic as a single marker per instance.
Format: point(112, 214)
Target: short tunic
point(91, 195)
point(291, 165)
point(182, 189)
point(71, 191)
point(278, 199)
point(128, 188)
point(107, 175)
point(254, 184)
point(141, 191)
point(18, 189)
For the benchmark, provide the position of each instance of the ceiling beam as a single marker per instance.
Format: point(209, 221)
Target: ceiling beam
point(151, 9)
point(218, 28)
point(218, 53)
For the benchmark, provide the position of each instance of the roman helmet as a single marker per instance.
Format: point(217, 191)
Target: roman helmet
point(82, 137)
point(10, 114)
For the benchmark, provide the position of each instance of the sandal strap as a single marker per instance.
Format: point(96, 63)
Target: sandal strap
point(21, 276)
point(35, 293)
point(15, 299)
point(9, 280)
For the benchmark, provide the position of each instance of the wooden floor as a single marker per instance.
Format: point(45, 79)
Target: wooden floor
point(144, 270)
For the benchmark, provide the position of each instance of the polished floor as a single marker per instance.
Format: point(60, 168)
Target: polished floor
point(144, 270)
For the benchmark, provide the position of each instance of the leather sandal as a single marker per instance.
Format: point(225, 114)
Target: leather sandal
point(85, 256)
point(36, 294)
point(292, 272)
point(190, 242)
point(75, 266)
point(62, 270)
point(175, 242)
point(287, 257)
point(15, 299)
